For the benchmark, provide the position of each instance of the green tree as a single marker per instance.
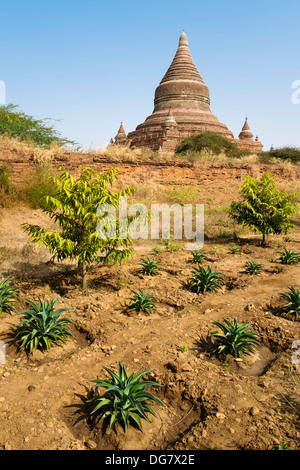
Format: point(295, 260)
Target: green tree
point(40, 132)
point(82, 234)
point(263, 207)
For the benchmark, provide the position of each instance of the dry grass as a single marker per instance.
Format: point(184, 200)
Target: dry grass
point(40, 155)
point(117, 152)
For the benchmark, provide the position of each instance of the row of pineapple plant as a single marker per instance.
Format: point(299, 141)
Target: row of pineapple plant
point(125, 400)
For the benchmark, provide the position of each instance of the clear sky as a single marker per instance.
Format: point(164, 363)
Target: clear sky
point(92, 64)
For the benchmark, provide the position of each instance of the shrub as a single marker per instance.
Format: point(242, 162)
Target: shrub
point(209, 141)
point(235, 339)
point(42, 326)
point(284, 153)
point(39, 187)
point(198, 257)
point(183, 348)
point(8, 296)
point(251, 267)
point(157, 249)
point(205, 280)
point(141, 301)
point(235, 249)
point(5, 174)
point(263, 208)
point(289, 257)
point(293, 301)
point(150, 267)
point(125, 400)
point(171, 245)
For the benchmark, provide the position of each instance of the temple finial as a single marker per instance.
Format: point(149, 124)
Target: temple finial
point(183, 40)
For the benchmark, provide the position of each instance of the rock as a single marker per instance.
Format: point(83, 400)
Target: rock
point(250, 307)
point(208, 310)
point(173, 366)
point(254, 411)
point(2, 399)
point(91, 444)
point(220, 415)
point(186, 367)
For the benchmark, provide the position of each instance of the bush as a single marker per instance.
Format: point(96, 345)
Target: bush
point(141, 301)
point(284, 153)
point(235, 339)
point(125, 400)
point(39, 186)
point(210, 141)
point(8, 296)
point(251, 267)
point(293, 301)
point(5, 174)
point(149, 267)
point(205, 280)
point(288, 256)
point(41, 326)
point(198, 257)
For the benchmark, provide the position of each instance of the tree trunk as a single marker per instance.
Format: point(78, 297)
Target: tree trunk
point(84, 281)
point(264, 240)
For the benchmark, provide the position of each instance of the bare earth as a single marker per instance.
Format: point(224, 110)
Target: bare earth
point(209, 404)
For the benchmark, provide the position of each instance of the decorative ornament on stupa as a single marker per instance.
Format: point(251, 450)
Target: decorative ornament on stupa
point(169, 121)
point(183, 91)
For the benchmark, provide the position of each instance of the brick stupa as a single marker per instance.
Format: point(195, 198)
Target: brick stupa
point(182, 108)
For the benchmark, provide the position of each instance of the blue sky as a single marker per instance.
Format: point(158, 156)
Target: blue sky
point(92, 64)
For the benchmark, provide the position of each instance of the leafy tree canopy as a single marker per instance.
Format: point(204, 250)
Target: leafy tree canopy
point(263, 207)
point(73, 206)
point(17, 124)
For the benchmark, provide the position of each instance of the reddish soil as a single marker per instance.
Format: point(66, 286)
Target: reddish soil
point(209, 403)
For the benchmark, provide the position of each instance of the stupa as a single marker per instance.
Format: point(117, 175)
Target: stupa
point(181, 108)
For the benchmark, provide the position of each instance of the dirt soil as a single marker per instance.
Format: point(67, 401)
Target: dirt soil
point(210, 404)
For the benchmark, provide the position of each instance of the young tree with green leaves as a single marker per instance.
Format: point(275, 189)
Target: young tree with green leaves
point(82, 228)
point(263, 207)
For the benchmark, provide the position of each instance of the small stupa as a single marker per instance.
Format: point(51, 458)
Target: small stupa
point(246, 139)
point(121, 137)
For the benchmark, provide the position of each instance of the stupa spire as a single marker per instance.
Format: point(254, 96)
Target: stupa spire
point(183, 40)
point(182, 66)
